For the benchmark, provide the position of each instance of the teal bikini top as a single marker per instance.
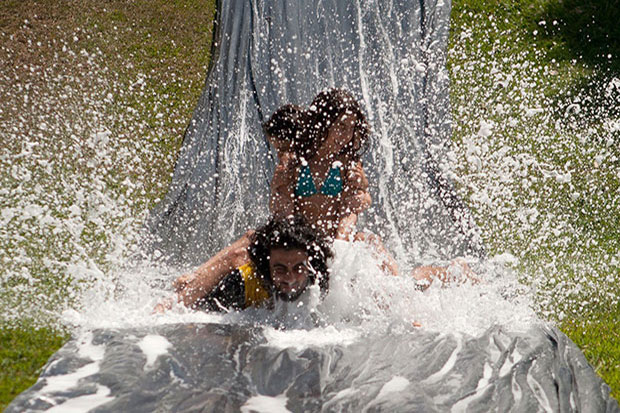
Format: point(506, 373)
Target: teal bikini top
point(332, 186)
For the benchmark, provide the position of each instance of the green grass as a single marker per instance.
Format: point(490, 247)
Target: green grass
point(23, 352)
point(598, 335)
point(164, 43)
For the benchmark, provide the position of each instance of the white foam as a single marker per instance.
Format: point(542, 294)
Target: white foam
point(361, 300)
point(63, 382)
point(55, 384)
point(537, 390)
point(317, 337)
point(265, 404)
point(84, 403)
point(509, 362)
point(153, 346)
point(361, 294)
point(463, 404)
point(448, 365)
point(395, 385)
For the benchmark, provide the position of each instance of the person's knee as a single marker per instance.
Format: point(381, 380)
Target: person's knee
point(374, 239)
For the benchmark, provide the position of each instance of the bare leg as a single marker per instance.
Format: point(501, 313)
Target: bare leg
point(426, 274)
point(388, 263)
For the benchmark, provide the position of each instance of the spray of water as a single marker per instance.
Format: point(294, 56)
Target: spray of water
point(71, 216)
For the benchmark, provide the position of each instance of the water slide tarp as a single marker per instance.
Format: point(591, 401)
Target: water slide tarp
point(390, 54)
point(228, 368)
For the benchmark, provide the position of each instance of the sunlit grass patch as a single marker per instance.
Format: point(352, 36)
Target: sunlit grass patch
point(96, 96)
point(24, 349)
point(598, 335)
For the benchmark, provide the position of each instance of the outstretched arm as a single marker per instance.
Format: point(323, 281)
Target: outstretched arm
point(458, 271)
point(193, 286)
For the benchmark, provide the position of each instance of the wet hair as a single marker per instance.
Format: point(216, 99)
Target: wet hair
point(292, 232)
point(287, 123)
point(325, 110)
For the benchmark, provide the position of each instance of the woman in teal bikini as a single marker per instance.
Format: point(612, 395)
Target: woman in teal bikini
point(326, 184)
point(324, 181)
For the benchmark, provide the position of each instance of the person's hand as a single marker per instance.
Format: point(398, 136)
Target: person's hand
point(181, 283)
point(356, 177)
point(161, 308)
point(467, 274)
point(458, 271)
point(358, 203)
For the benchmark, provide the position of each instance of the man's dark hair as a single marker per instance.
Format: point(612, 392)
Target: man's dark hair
point(326, 109)
point(286, 123)
point(290, 233)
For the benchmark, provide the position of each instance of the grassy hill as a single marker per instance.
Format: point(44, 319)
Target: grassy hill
point(96, 96)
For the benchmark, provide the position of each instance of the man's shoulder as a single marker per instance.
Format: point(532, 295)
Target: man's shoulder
point(255, 291)
point(241, 288)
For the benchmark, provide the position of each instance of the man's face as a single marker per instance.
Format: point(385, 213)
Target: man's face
point(289, 272)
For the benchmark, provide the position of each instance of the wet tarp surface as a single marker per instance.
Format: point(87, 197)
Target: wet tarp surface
point(390, 54)
point(227, 368)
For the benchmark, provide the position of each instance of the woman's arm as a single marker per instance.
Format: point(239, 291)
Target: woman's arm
point(281, 201)
point(357, 198)
point(346, 226)
point(354, 201)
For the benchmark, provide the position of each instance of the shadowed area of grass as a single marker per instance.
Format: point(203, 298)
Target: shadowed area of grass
point(538, 75)
point(586, 31)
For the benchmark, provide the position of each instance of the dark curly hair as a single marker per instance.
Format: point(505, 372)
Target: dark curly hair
point(326, 108)
point(292, 232)
point(287, 123)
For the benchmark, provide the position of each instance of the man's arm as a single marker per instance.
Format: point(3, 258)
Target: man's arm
point(193, 286)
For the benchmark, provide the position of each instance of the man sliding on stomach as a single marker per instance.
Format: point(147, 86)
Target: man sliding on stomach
point(286, 257)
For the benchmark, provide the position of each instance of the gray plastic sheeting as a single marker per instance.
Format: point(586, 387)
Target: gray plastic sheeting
point(226, 368)
point(389, 54)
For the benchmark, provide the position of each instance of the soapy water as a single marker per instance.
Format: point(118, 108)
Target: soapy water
point(281, 357)
point(362, 300)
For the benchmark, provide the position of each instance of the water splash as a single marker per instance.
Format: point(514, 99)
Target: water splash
point(70, 219)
